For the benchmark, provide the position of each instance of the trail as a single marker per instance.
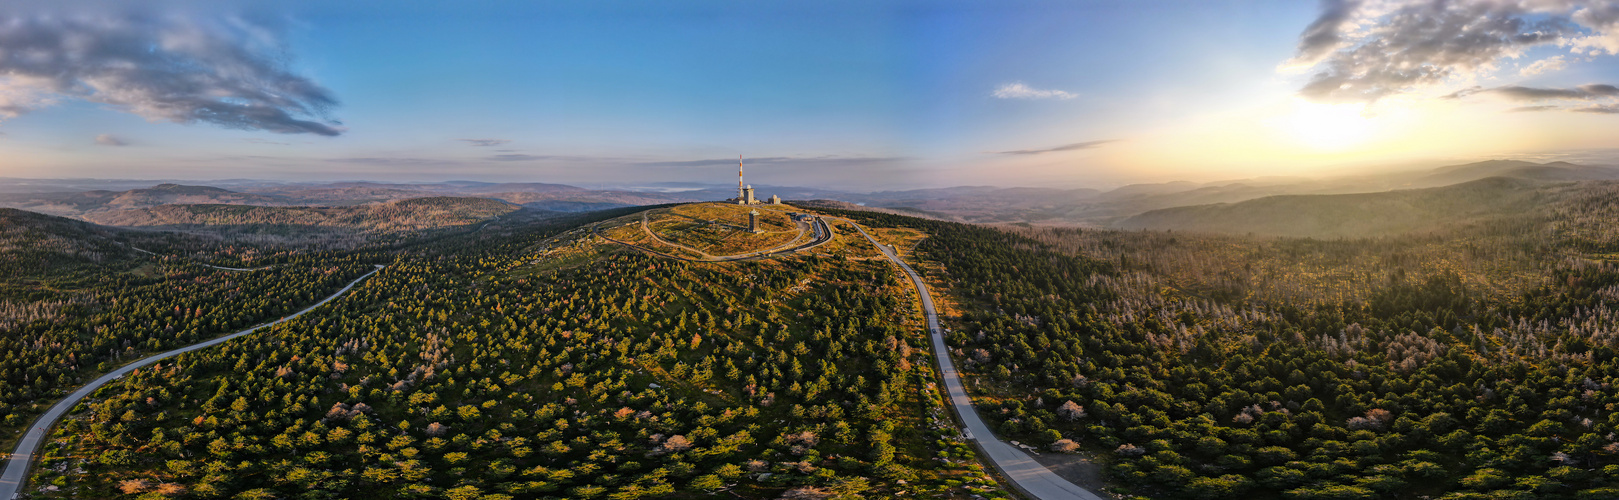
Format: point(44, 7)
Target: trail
point(11, 481)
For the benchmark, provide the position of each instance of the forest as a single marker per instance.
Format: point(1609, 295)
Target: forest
point(474, 367)
point(533, 360)
point(1475, 362)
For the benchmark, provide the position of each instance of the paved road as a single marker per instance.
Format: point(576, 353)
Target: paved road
point(235, 268)
point(17, 467)
point(203, 264)
point(1032, 478)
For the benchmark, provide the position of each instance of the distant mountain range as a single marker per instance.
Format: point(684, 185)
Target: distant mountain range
point(1129, 206)
point(1354, 215)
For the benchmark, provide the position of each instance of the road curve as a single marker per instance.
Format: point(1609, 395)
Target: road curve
point(11, 481)
point(823, 234)
point(1031, 478)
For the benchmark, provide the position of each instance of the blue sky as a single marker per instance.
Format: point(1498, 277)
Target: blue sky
point(838, 94)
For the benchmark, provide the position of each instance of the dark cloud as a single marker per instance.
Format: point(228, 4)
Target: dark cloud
point(228, 72)
point(1610, 109)
point(484, 142)
point(1066, 147)
point(1599, 96)
point(110, 140)
point(1463, 92)
point(1532, 109)
point(1601, 89)
point(1589, 92)
point(1536, 94)
point(1367, 52)
point(1323, 35)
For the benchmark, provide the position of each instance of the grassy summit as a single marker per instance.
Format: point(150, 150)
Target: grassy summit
point(710, 231)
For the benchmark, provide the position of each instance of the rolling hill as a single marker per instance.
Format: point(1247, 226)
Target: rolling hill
point(80, 203)
point(32, 243)
point(1358, 215)
point(402, 215)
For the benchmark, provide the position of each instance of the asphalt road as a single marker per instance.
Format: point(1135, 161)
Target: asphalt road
point(1032, 478)
point(17, 467)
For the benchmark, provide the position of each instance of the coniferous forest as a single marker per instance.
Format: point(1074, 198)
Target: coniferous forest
point(1474, 363)
point(531, 359)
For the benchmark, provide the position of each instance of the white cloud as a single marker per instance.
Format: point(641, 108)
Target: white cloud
point(1017, 90)
point(1544, 65)
point(110, 140)
point(1367, 50)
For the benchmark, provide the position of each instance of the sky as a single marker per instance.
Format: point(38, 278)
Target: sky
point(844, 94)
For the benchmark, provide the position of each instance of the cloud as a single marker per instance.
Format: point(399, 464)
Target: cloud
point(1600, 97)
point(389, 161)
point(1066, 147)
point(709, 163)
point(227, 72)
point(1609, 109)
point(1367, 51)
point(110, 140)
point(1017, 90)
point(1324, 35)
point(1531, 109)
point(1464, 92)
point(255, 140)
point(1553, 63)
point(1581, 93)
point(783, 160)
point(518, 157)
point(484, 142)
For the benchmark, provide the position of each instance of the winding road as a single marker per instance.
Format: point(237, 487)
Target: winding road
point(1028, 476)
point(11, 481)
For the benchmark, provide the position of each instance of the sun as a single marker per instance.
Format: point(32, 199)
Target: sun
point(1329, 127)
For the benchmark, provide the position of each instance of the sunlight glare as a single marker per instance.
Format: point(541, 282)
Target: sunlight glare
point(1331, 127)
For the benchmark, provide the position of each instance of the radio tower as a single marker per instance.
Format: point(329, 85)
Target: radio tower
point(740, 193)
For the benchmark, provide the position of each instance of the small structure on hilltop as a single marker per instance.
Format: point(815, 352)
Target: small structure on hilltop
point(744, 192)
point(753, 222)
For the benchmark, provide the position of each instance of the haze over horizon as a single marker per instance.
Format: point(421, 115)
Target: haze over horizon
point(847, 95)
